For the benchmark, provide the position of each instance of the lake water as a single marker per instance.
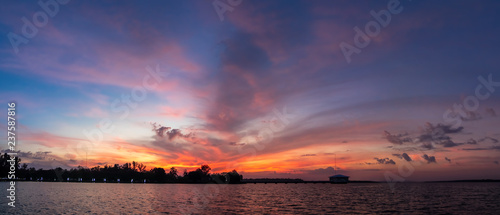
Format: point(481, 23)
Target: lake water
point(98, 198)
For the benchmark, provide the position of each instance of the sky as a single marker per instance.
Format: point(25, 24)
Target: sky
point(381, 90)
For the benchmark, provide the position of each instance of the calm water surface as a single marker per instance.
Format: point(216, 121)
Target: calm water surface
point(97, 198)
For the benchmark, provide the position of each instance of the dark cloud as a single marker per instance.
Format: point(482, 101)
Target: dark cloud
point(496, 162)
point(308, 155)
point(236, 144)
point(472, 142)
point(398, 139)
point(429, 159)
point(176, 144)
point(384, 161)
point(482, 148)
point(406, 157)
point(447, 159)
point(448, 143)
point(40, 155)
point(441, 128)
point(437, 134)
point(398, 155)
point(403, 156)
point(162, 131)
point(474, 149)
point(493, 140)
point(427, 145)
point(431, 135)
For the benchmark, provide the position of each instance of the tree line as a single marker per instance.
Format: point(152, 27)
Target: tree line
point(128, 172)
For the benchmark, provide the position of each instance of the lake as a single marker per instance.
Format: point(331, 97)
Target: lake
point(99, 198)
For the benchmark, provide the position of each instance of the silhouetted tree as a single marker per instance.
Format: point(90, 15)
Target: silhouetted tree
point(159, 174)
point(233, 177)
point(172, 175)
point(205, 169)
point(125, 173)
point(141, 167)
point(5, 164)
point(173, 172)
point(227, 177)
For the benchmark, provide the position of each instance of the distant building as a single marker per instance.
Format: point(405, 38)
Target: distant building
point(339, 179)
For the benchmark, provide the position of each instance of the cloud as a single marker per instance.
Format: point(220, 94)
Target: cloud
point(384, 161)
point(482, 148)
point(269, 56)
point(244, 89)
point(162, 131)
point(40, 155)
point(474, 149)
point(406, 157)
point(429, 159)
point(308, 155)
point(41, 159)
point(403, 156)
point(472, 142)
point(448, 143)
point(447, 159)
point(51, 140)
point(398, 155)
point(431, 135)
point(437, 134)
point(493, 140)
point(496, 162)
point(236, 144)
point(445, 129)
point(396, 139)
point(427, 145)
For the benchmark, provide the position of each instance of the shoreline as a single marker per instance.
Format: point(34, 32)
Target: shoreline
point(262, 181)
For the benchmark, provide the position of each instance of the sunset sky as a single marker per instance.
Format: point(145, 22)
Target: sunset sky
point(266, 90)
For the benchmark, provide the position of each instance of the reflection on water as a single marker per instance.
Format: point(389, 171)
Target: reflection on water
point(90, 198)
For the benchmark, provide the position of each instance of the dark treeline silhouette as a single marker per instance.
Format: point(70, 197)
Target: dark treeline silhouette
point(5, 164)
point(128, 172)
